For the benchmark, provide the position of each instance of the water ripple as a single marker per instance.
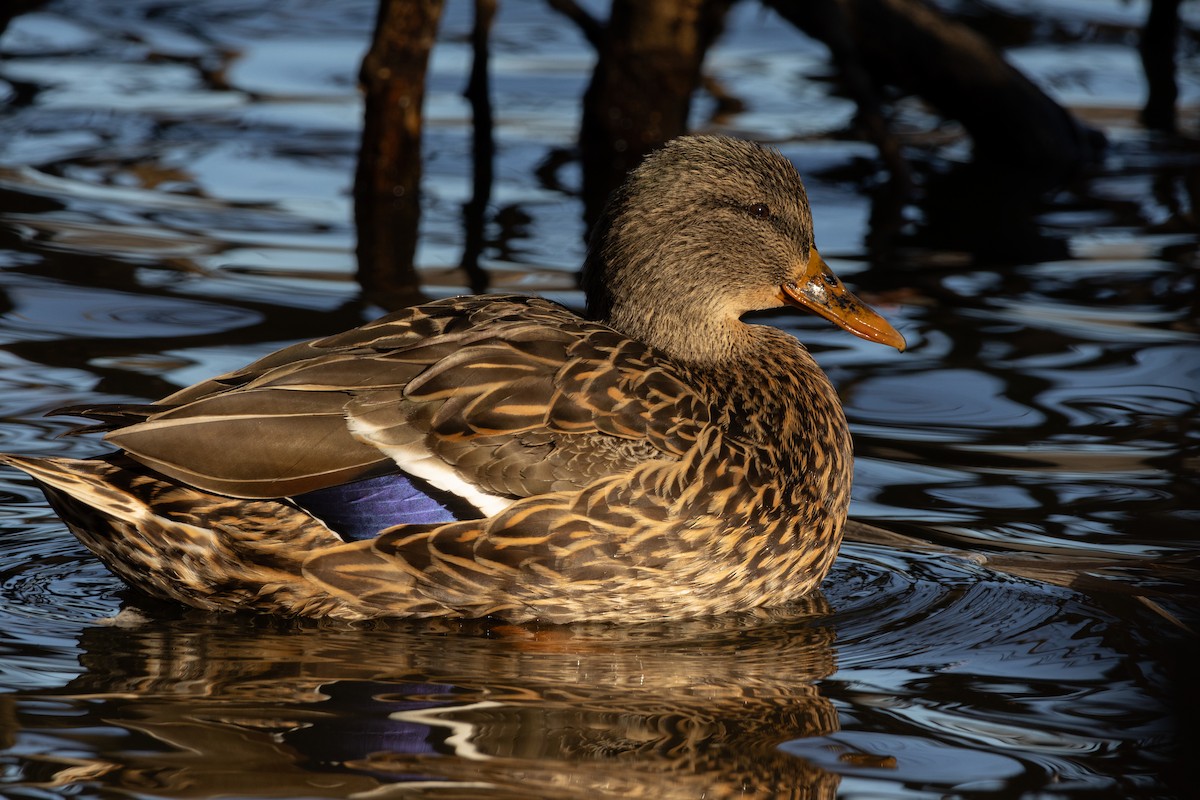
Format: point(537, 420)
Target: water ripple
point(940, 399)
point(78, 311)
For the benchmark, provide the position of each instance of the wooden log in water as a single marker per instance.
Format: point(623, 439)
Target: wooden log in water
point(911, 46)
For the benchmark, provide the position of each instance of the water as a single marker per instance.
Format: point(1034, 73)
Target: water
point(174, 201)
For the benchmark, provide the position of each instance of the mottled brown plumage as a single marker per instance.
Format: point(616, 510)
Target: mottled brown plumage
point(665, 460)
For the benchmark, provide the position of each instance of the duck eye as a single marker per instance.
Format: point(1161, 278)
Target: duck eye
point(759, 210)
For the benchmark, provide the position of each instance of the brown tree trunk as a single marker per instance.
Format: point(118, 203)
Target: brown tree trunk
point(387, 184)
point(649, 62)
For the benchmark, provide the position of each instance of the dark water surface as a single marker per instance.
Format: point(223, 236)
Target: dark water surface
point(174, 202)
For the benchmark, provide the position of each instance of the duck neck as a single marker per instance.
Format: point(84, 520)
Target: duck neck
point(697, 339)
point(632, 289)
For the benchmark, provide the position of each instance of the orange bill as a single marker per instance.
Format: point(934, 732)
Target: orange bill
point(822, 292)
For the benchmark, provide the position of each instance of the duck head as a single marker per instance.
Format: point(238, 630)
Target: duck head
point(705, 230)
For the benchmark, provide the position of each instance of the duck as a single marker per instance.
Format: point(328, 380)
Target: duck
point(500, 456)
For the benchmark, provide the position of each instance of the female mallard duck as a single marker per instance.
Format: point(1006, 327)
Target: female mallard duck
point(499, 455)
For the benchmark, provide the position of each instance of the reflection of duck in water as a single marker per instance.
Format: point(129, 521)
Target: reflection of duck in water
point(498, 455)
point(219, 707)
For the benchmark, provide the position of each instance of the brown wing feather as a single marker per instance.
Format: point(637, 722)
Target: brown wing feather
point(258, 443)
point(517, 394)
